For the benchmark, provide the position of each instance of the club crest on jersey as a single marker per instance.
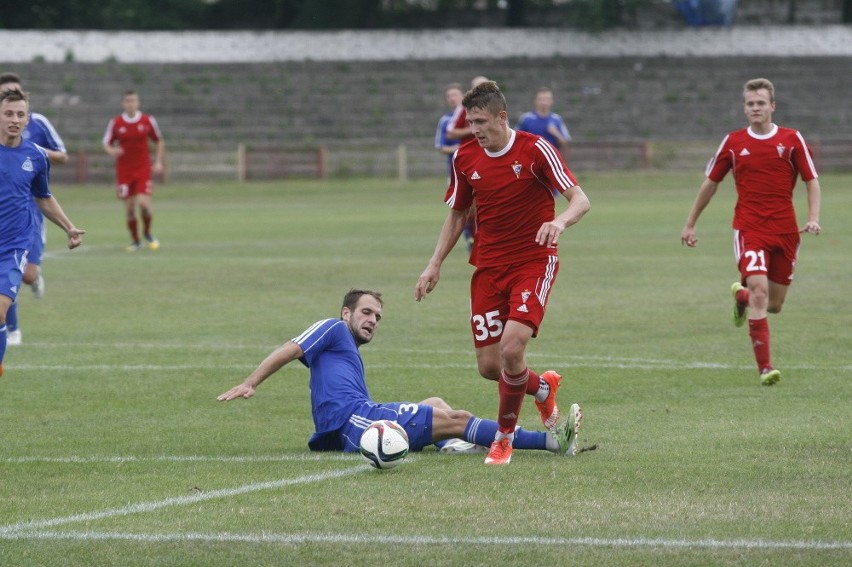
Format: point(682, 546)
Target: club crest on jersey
point(27, 165)
point(780, 149)
point(517, 167)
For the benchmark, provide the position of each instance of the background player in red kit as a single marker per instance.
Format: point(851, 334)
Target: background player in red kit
point(458, 131)
point(508, 176)
point(766, 160)
point(131, 131)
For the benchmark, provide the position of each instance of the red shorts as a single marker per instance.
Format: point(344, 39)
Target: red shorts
point(135, 187)
point(772, 255)
point(518, 292)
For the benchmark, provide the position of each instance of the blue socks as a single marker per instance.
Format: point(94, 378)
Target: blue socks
point(482, 432)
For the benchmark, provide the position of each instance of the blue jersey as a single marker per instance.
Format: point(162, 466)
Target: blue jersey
point(441, 140)
point(535, 124)
point(338, 383)
point(40, 131)
point(25, 170)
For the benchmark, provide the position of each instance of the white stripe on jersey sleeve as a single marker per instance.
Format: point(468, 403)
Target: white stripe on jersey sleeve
point(807, 154)
point(555, 164)
point(310, 330)
point(712, 163)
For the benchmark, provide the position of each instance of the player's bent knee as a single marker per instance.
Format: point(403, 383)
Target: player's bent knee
point(462, 416)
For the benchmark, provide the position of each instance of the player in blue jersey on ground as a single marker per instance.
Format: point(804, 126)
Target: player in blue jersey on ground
point(39, 131)
point(25, 168)
point(341, 404)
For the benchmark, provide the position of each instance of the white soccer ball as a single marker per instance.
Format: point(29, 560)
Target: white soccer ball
point(384, 444)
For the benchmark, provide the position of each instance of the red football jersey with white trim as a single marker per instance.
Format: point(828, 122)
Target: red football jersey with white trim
point(513, 193)
point(132, 135)
point(765, 170)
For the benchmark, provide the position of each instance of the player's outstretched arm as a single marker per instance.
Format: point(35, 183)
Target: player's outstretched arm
point(450, 233)
point(52, 210)
point(705, 193)
point(814, 198)
point(578, 206)
point(281, 356)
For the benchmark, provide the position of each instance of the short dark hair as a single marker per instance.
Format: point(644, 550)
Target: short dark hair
point(486, 96)
point(9, 78)
point(13, 95)
point(350, 300)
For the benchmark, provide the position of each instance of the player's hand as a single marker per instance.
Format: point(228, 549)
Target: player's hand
point(687, 236)
point(549, 233)
point(75, 237)
point(426, 282)
point(239, 391)
point(812, 227)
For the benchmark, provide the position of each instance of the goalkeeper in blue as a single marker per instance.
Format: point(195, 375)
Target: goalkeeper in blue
point(341, 405)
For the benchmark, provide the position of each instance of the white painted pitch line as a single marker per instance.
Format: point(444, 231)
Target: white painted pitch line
point(183, 459)
point(636, 365)
point(6, 531)
point(490, 541)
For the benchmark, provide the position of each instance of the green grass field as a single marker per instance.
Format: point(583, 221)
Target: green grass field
point(115, 451)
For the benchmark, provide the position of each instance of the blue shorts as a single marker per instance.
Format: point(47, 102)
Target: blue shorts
point(415, 418)
point(12, 264)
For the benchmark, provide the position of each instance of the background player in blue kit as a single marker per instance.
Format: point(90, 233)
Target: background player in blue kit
point(341, 405)
point(40, 131)
point(24, 170)
point(545, 123)
point(453, 95)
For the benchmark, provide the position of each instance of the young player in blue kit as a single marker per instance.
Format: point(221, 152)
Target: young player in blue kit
point(39, 131)
point(25, 168)
point(341, 405)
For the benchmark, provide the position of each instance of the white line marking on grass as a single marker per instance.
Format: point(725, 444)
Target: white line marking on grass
point(627, 364)
point(490, 541)
point(8, 530)
point(183, 459)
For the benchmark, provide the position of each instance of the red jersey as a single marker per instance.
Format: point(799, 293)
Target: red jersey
point(512, 193)
point(459, 121)
point(132, 135)
point(765, 171)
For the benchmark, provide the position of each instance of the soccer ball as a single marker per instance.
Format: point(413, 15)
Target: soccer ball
point(384, 443)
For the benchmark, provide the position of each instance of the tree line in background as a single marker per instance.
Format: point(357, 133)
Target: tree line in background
point(342, 14)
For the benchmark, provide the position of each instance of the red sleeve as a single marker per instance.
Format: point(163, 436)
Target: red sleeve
point(721, 163)
point(459, 194)
point(803, 160)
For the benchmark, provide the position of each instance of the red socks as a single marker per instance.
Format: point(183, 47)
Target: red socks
point(758, 330)
point(132, 226)
point(512, 391)
point(533, 384)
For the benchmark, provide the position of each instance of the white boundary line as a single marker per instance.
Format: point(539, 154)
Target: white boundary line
point(336, 539)
point(183, 459)
point(39, 529)
point(12, 529)
point(626, 364)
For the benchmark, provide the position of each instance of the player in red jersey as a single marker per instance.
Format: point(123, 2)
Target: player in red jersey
point(131, 131)
point(508, 176)
point(766, 160)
